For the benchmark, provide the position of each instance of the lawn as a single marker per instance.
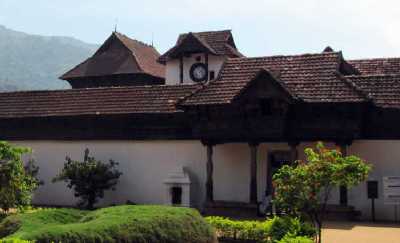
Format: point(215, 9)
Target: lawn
point(127, 223)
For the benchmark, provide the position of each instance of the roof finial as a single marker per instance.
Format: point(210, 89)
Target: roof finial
point(116, 25)
point(152, 39)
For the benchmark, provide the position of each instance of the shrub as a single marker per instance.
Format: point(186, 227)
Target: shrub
point(305, 187)
point(17, 182)
point(126, 223)
point(271, 230)
point(283, 226)
point(296, 239)
point(257, 231)
point(89, 178)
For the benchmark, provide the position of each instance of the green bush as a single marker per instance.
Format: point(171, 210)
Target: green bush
point(257, 231)
point(114, 224)
point(271, 230)
point(89, 178)
point(282, 226)
point(16, 241)
point(296, 239)
point(17, 182)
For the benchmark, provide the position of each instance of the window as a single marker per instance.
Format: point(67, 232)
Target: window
point(212, 75)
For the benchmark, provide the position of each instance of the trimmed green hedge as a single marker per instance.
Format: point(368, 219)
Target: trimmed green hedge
point(115, 224)
point(270, 230)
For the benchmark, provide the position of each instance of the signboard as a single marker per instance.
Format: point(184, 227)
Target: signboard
point(391, 190)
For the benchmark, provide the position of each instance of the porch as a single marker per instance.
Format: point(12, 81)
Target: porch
point(239, 179)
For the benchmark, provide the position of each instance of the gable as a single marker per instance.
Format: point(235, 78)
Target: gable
point(119, 55)
point(265, 85)
point(190, 44)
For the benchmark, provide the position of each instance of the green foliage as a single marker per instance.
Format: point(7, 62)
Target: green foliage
point(89, 178)
point(296, 239)
point(17, 182)
point(271, 230)
point(283, 226)
point(16, 241)
point(305, 187)
point(257, 231)
point(114, 224)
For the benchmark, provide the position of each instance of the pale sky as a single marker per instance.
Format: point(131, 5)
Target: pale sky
point(360, 28)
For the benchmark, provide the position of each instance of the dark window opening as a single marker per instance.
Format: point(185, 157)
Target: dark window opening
point(198, 58)
point(176, 195)
point(212, 75)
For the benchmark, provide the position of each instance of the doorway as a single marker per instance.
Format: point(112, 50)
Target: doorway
point(276, 159)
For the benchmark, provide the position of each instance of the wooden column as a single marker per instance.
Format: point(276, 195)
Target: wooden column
point(181, 69)
point(253, 172)
point(206, 62)
point(343, 195)
point(294, 154)
point(210, 169)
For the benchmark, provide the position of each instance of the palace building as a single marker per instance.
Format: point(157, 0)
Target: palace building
point(205, 126)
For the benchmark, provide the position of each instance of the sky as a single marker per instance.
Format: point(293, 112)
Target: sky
point(360, 28)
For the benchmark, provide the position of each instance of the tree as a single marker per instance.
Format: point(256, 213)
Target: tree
point(305, 187)
point(17, 182)
point(89, 178)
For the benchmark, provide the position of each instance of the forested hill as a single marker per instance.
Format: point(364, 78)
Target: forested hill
point(35, 62)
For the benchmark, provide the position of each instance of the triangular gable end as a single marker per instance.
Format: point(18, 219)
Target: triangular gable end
point(190, 44)
point(265, 85)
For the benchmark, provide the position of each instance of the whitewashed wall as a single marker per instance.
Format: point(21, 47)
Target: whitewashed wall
point(146, 164)
point(172, 71)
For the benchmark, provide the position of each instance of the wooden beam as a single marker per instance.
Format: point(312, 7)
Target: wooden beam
point(210, 170)
point(253, 172)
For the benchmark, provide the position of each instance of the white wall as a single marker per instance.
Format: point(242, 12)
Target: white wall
point(173, 71)
point(146, 164)
point(385, 159)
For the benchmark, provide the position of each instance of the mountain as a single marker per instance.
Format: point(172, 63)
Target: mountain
point(35, 62)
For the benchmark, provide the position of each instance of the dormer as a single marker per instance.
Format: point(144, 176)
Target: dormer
point(120, 61)
point(198, 57)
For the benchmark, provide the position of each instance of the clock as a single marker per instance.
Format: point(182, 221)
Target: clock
point(198, 72)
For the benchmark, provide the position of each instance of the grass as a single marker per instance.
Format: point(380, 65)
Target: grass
point(114, 224)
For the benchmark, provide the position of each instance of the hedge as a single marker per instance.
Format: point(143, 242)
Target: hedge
point(270, 230)
point(115, 224)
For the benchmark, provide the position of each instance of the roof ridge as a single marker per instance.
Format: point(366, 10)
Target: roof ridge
point(373, 59)
point(133, 39)
point(294, 55)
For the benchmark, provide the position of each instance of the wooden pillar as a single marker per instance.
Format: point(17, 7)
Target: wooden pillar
point(181, 69)
point(206, 62)
point(253, 172)
point(210, 170)
point(343, 194)
point(293, 150)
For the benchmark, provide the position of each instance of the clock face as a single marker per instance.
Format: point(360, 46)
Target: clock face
point(198, 72)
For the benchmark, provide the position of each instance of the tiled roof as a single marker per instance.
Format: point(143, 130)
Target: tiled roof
point(95, 101)
point(312, 77)
point(218, 42)
point(137, 57)
point(384, 90)
point(377, 66)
